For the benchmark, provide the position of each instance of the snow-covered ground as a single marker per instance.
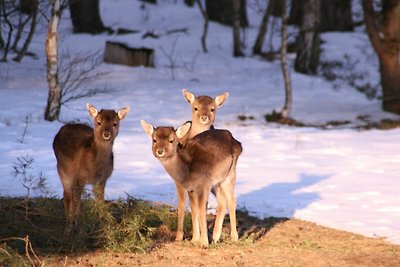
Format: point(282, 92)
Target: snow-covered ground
point(340, 177)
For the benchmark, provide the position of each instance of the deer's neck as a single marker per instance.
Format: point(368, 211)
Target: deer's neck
point(197, 128)
point(103, 151)
point(176, 168)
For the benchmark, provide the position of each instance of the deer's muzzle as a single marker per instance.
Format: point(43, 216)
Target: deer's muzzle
point(106, 136)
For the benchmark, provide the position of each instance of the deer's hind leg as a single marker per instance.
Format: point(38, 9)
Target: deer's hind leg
point(221, 210)
point(228, 187)
point(67, 182)
point(202, 206)
point(77, 190)
point(194, 206)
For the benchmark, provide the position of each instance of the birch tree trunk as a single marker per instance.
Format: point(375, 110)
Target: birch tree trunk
point(287, 108)
point(307, 58)
point(53, 108)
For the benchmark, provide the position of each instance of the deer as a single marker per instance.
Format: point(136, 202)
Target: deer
point(204, 110)
point(205, 163)
point(85, 156)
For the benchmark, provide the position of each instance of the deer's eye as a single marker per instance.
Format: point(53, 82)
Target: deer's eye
point(212, 109)
point(196, 109)
point(171, 141)
point(99, 123)
point(154, 141)
point(115, 124)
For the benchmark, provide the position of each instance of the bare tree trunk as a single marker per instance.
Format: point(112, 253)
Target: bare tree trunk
point(205, 28)
point(384, 34)
point(222, 12)
point(307, 58)
point(53, 108)
point(336, 15)
point(21, 25)
point(85, 16)
point(287, 108)
point(11, 28)
point(237, 50)
point(1, 32)
point(258, 45)
point(296, 12)
point(32, 30)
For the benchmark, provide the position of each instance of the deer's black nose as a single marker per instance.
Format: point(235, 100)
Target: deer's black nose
point(204, 118)
point(160, 152)
point(106, 135)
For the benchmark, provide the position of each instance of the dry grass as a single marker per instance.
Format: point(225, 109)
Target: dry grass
point(138, 233)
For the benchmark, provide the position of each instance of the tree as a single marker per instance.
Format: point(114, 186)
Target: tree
point(7, 10)
point(285, 71)
point(85, 15)
point(335, 15)
point(205, 28)
point(237, 50)
point(33, 11)
point(14, 17)
point(222, 11)
point(53, 107)
point(258, 45)
point(384, 34)
point(296, 13)
point(307, 58)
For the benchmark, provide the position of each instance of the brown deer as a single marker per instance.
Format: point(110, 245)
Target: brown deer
point(206, 162)
point(204, 109)
point(84, 156)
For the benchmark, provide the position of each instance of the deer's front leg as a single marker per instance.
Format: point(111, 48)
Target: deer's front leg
point(181, 193)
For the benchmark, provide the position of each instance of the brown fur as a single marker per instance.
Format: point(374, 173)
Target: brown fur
point(84, 156)
point(206, 162)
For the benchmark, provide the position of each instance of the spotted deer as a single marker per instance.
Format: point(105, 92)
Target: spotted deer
point(204, 163)
point(85, 156)
point(204, 110)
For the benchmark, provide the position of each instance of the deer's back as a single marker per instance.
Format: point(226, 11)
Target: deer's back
point(211, 154)
point(213, 144)
point(73, 139)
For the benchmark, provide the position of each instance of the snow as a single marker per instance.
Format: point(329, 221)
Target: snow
point(341, 177)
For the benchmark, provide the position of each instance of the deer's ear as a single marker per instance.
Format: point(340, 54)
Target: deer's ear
point(183, 130)
point(148, 128)
point(190, 97)
point(123, 112)
point(92, 110)
point(219, 100)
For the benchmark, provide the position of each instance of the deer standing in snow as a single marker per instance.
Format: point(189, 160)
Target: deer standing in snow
point(204, 163)
point(84, 156)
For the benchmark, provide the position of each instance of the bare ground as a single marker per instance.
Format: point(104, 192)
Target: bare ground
point(268, 242)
